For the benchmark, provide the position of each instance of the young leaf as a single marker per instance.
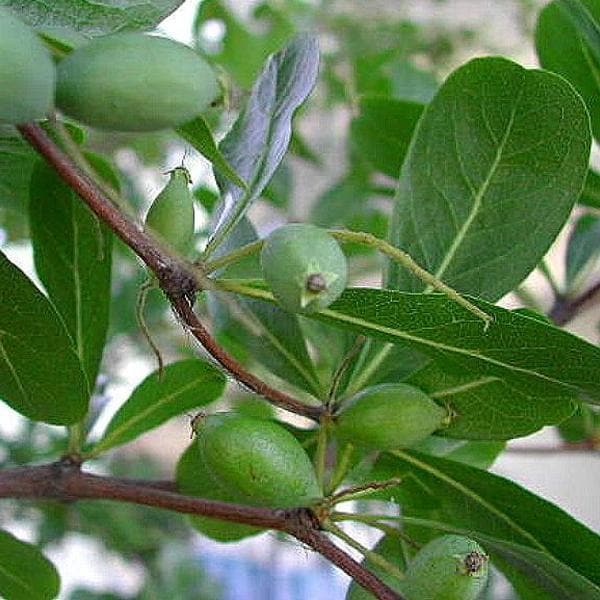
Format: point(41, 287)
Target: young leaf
point(259, 138)
point(583, 248)
point(382, 131)
point(94, 18)
point(490, 178)
point(561, 49)
point(73, 256)
point(199, 135)
point(25, 573)
point(586, 25)
point(184, 385)
point(40, 373)
point(479, 501)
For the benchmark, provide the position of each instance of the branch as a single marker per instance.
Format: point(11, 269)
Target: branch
point(176, 277)
point(65, 481)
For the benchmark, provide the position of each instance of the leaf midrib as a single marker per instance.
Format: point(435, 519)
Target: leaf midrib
point(479, 194)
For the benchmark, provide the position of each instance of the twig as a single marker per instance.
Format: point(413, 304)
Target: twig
point(177, 278)
point(65, 481)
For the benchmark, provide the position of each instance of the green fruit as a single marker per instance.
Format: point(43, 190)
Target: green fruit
point(27, 72)
point(194, 479)
point(389, 416)
point(134, 82)
point(304, 266)
point(256, 459)
point(171, 215)
point(451, 567)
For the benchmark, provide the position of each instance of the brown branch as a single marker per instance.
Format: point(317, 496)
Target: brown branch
point(66, 482)
point(176, 277)
point(277, 397)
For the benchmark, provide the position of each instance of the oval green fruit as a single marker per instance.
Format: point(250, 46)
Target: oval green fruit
point(451, 567)
point(256, 459)
point(304, 266)
point(134, 82)
point(194, 478)
point(27, 73)
point(389, 416)
point(171, 215)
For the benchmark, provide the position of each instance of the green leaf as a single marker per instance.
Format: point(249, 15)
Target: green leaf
point(73, 257)
point(491, 177)
point(40, 374)
point(184, 385)
point(16, 163)
point(541, 367)
point(95, 18)
point(585, 24)
point(583, 248)
point(480, 454)
point(561, 49)
point(259, 138)
point(478, 501)
point(382, 131)
point(591, 190)
point(199, 135)
point(25, 573)
point(489, 408)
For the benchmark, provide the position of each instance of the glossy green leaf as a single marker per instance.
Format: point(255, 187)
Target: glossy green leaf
point(95, 18)
point(489, 408)
point(382, 131)
point(184, 385)
point(583, 248)
point(529, 370)
point(40, 373)
point(481, 454)
point(481, 502)
point(73, 257)
point(199, 135)
point(16, 163)
point(585, 23)
point(490, 178)
point(25, 573)
point(259, 138)
point(561, 49)
point(591, 190)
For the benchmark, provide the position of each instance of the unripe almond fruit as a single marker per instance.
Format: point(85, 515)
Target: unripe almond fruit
point(389, 416)
point(171, 215)
point(27, 73)
point(451, 567)
point(256, 459)
point(304, 266)
point(194, 478)
point(134, 82)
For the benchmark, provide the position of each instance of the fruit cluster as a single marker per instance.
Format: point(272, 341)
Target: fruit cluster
point(120, 82)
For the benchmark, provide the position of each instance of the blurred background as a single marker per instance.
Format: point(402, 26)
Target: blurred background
point(399, 49)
